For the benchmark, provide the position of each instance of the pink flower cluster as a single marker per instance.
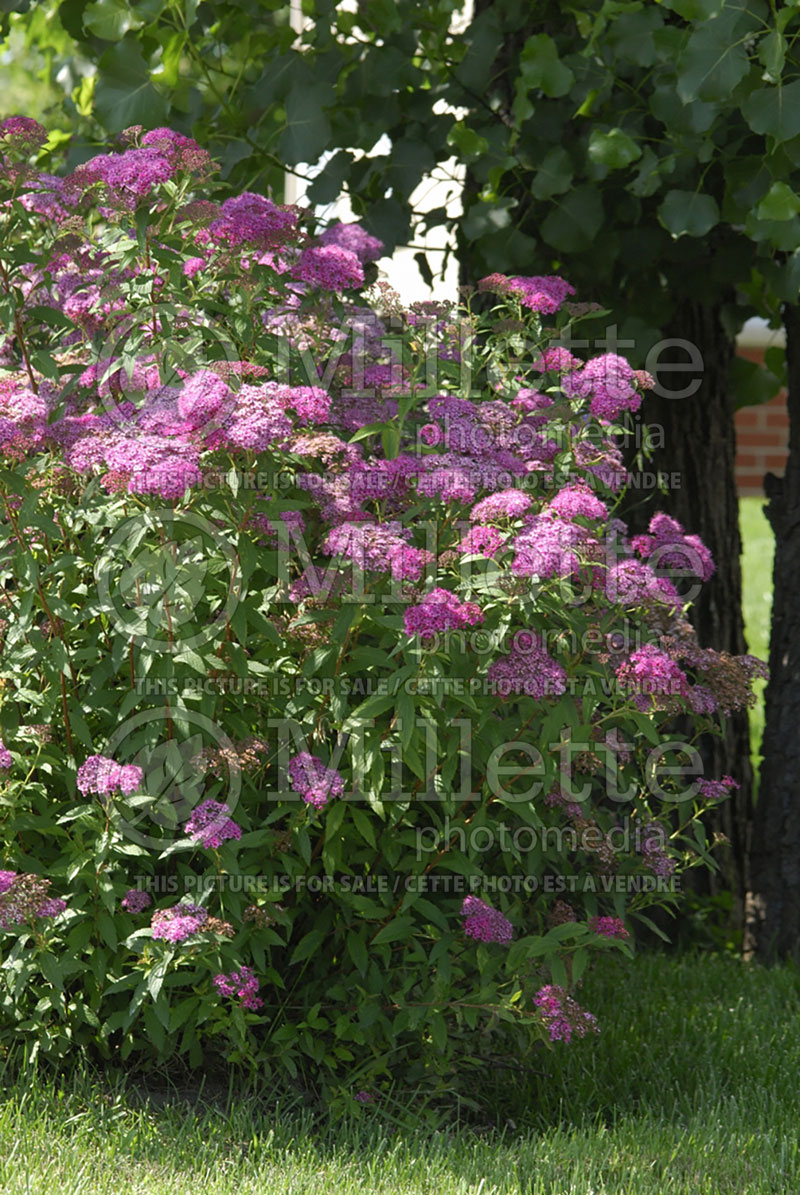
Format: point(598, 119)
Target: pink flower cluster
point(668, 546)
point(562, 1015)
point(136, 900)
point(717, 790)
point(102, 775)
point(243, 984)
point(608, 382)
point(440, 610)
point(608, 927)
point(316, 783)
point(5, 756)
point(650, 674)
point(330, 267)
point(484, 923)
point(527, 669)
point(25, 898)
point(355, 239)
point(210, 825)
point(179, 922)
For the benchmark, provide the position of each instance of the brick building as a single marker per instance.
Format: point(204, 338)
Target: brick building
point(762, 432)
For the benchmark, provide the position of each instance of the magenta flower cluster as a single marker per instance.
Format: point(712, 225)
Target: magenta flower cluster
point(649, 674)
point(528, 669)
point(609, 927)
point(243, 984)
point(562, 1015)
point(316, 783)
point(210, 825)
point(25, 899)
point(180, 922)
point(136, 900)
point(484, 923)
point(440, 610)
point(101, 775)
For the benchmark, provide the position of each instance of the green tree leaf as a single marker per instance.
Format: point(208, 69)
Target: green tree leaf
point(124, 95)
point(541, 67)
point(774, 110)
point(110, 19)
point(614, 148)
point(688, 213)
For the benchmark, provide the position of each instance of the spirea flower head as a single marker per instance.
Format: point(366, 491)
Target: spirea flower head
point(5, 756)
point(185, 154)
point(633, 583)
point(608, 927)
point(330, 267)
point(550, 547)
point(125, 179)
point(577, 499)
point(650, 675)
point(102, 775)
point(528, 669)
point(22, 134)
point(505, 504)
point(136, 900)
point(316, 783)
point(243, 984)
point(440, 610)
point(717, 790)
point(669, 547)
point(483, 922)
point(556, 360)
point(562, 1015)
point(204, 397)
point(184, 920)
point(354, 238)
point(544, 294)
point(25, 898)
point(482, 540)
point(250, 219)
point(210, 825)
point(653, 850)
point(608, 382)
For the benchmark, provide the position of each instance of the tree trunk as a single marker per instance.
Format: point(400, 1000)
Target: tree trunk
point(773, 905)
point(699, 444)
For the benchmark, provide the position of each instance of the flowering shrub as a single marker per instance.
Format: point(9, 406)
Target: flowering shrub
point(338, 706)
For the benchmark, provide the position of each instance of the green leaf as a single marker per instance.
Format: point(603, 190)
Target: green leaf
point(774, 110)
point(124, 95)
point(575, 221)
point(541, 67)
point(554, 175)
point(357, 950)
point(779, 203)
point(772, 54)
point(714, 61)
point(308, 131)
point(614, 149)
point(688, 213)
point(398, 927)
point(110, 19)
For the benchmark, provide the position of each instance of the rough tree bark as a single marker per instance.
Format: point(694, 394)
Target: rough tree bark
point(773, 905)
point(699, 443)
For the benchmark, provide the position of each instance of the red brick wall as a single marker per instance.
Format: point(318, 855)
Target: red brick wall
point(762, 438)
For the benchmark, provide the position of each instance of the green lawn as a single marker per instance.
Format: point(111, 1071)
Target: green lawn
point(691, 1087)
point(758, 544)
